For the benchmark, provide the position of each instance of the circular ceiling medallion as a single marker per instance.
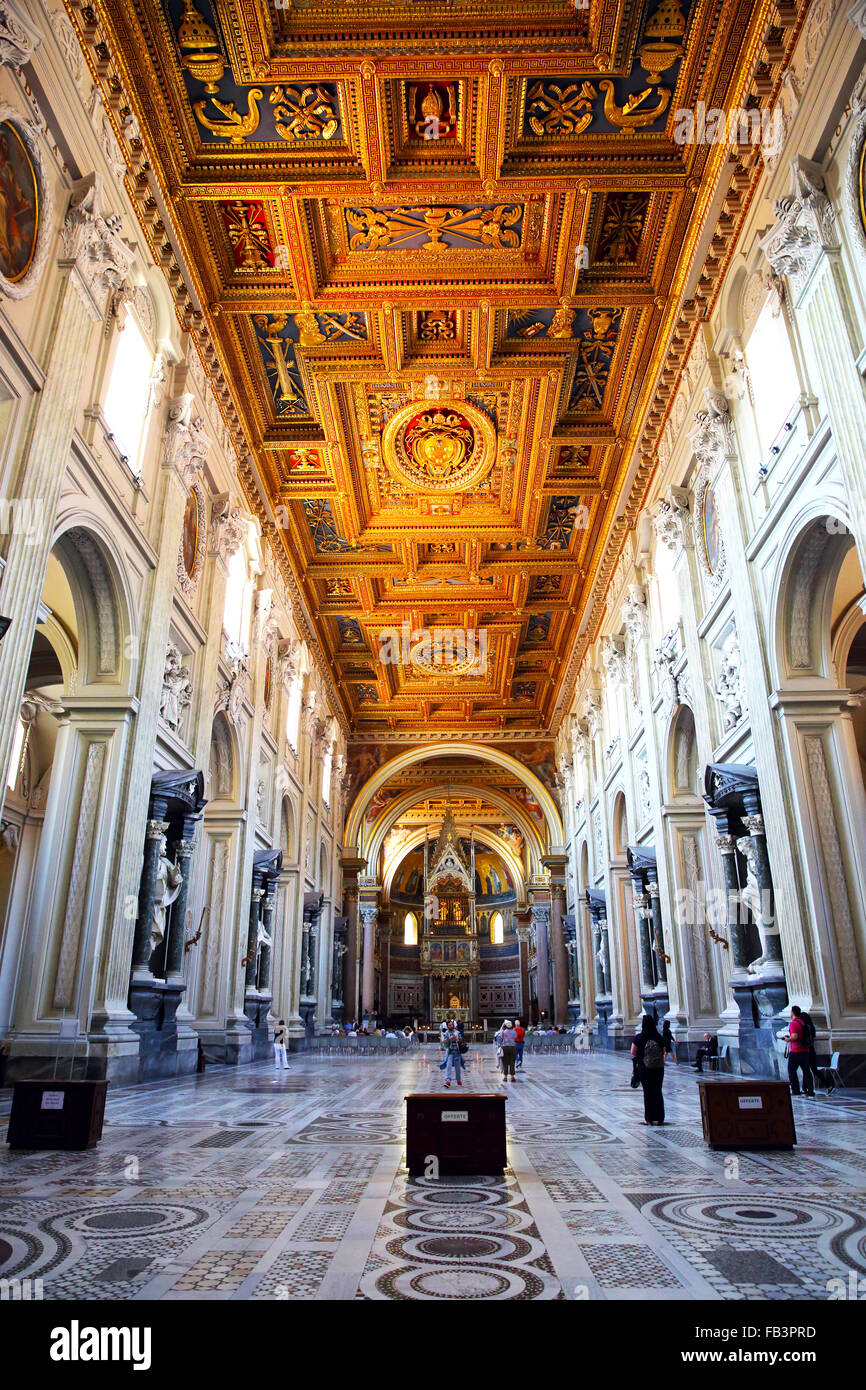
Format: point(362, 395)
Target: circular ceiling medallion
point(439, 446)
point(438, 654)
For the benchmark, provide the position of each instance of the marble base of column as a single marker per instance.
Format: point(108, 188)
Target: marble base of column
point(307, 1010)
point(155, 1005)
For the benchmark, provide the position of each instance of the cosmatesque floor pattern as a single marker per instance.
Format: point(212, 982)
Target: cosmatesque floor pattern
point(243, 1184)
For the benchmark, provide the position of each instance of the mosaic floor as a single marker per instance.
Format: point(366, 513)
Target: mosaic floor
point(237, 1185)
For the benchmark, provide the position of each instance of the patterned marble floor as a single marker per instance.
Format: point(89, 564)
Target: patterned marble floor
point(237, 1185)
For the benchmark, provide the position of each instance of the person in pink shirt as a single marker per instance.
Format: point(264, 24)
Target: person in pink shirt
point(799, 1047)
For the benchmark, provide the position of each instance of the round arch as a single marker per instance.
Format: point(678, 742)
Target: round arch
point(618, 826)
point(681, 764)
point(353, 838)
point(811, 557)
point(392, 813)
point(483, 836)
point(102, 602)
point(224, 760)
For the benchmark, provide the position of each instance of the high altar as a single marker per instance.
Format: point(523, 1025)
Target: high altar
point(450, 959)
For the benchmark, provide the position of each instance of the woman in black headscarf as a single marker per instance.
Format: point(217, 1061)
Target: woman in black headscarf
point(649, 1054)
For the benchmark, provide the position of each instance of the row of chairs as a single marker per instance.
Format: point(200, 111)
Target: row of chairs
point(330, 1045)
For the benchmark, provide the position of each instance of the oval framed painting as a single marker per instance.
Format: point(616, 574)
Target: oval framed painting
point(192, 541)
point(711, 532)
point(269, 682)
point(25, 205)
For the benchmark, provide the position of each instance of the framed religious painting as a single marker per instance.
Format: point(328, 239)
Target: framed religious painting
point(25, 205)
point(711, 534)
point(709, 544)
point(192, 541)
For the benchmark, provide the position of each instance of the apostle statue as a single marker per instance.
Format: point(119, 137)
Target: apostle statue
point(166, 889)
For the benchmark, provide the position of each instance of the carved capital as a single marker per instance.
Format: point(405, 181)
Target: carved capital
point(93, 247)
point(670, 519)
point(19, 38)
point(186, 442)
point(804, 224)
point(614, 660)
point(712, 439)
point(228, 527)
point(635, 617)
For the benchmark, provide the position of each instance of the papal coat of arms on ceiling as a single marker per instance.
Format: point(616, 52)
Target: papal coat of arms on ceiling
point(439, 446)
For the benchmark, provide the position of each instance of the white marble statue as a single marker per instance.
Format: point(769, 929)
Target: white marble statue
point(166, 889)
point(176, 689)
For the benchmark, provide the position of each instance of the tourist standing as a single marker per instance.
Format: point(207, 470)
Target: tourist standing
point(649, 1053)
point(508, 1039)
point(281, 1037)
point(453, 1060)
point(520, 1036)
point(800, 1044)
point(668, 1041)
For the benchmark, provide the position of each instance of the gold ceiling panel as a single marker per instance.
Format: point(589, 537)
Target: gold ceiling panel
point(435, 267)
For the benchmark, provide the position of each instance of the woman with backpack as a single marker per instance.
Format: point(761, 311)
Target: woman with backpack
point(649, 1056)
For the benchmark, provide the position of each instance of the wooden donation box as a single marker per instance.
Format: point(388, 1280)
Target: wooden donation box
point(465, 1134)
point(740, 1114)
point(56, 1114)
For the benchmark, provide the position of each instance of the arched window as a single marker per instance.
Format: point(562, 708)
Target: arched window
point(327, 763)
point(293, 716)
point(127, 400)
point(497, 929)
point(16, 758)
point(235, 611)
point(410, 929)
point(667, 589)
point(773, 381)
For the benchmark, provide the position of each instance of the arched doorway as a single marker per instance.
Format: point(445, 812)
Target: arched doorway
point(58, 864)
point(818, 623)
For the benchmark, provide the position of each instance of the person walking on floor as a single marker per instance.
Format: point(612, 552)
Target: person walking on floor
point(508, 1039)
point(281, 1037)
point(668, 1043)
point(649, 1054)
point(453, 1060)
point(520, 1036)
point(800, 1044)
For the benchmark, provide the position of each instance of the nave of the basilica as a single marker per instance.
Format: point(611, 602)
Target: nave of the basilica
point(432, 553)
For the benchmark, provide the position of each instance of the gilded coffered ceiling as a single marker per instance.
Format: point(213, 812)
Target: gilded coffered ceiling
point(436, 251)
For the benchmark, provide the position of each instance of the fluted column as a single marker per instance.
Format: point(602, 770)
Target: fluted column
point(175, 926)
point(769, 928)
point(640, 901)
point(256, 895)
point(541, 926)
point(369, 911)
point(268, 904)
point(736, 927)
point(652, 889)
point(557, 865)
point(147, 889)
